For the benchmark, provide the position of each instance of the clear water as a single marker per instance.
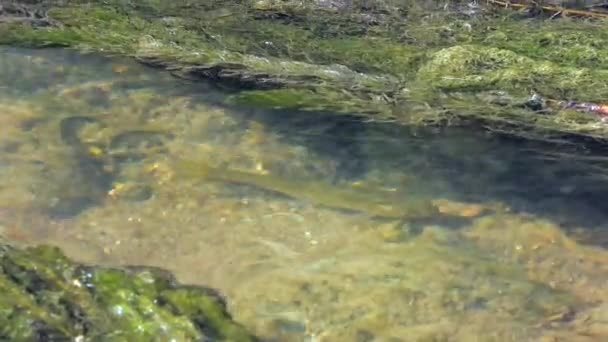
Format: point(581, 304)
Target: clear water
point(89, 161)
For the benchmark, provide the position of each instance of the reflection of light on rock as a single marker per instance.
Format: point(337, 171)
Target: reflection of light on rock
point(118, 310)
point(120, 68)
point(567, 189)
point(458, 208)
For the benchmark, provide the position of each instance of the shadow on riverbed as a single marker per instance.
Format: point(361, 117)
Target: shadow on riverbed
point(565, 181)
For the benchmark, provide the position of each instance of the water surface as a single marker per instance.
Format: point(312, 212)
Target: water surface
point(516, 251)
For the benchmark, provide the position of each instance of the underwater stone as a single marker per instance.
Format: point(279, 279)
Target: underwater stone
point(133, 145)
point(365, 336)
point(71, 127)
point(48, 297)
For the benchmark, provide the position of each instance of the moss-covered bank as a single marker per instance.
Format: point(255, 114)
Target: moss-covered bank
point(47, 297)
point(408, 61)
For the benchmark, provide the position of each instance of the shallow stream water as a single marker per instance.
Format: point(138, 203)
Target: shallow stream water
point(90, 151)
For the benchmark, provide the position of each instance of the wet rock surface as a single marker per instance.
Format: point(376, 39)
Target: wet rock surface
point(48, 297)
point(25, 13)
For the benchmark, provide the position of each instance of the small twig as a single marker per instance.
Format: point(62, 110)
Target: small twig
point(556, 14)
point(557, 9)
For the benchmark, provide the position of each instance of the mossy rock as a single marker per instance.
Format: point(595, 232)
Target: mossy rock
point(48, 297)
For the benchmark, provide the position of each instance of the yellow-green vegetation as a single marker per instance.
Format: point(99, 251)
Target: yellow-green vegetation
point(47, 296)
point(408, 61)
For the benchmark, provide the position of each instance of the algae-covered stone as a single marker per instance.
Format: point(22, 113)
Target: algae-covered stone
point(47, 297)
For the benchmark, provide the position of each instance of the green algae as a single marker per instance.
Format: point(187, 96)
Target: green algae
point(575, 43)
point(379, 59)
point(310, 100)
point(46, 296)
point(475, 67)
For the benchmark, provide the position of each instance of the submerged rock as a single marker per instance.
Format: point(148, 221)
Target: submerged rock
point(14, 12)
point(48, 297)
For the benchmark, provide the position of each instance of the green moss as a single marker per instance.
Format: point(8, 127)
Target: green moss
point(576, 118)
point(188, 302)
point(46, 294)
point(576, 43)
point(305, 99)
point(309, 39)
point(472, 67)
